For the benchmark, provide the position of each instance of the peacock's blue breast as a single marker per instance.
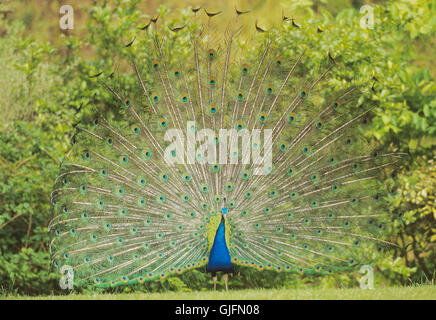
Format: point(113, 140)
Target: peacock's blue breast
point(219, 259)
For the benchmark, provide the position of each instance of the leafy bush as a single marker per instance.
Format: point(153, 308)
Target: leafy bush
point(416, 227)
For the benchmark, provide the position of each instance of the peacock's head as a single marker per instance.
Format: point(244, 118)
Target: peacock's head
point(224, 211)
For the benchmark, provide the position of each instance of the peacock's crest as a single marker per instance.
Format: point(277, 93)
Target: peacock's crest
point(218, 122)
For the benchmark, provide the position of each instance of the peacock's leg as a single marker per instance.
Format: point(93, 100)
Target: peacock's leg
point(214, 283)
point(226, 279)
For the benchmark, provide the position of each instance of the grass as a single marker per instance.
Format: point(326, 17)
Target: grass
point(423, 292)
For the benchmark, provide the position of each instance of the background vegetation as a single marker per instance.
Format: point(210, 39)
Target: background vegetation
point(46, 90)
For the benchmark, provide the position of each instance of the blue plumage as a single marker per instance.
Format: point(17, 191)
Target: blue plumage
point(219, 259)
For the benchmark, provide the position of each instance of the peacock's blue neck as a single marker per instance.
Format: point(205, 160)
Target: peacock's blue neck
point(219, 258)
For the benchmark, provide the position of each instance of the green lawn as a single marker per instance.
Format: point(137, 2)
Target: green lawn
point(427, 292)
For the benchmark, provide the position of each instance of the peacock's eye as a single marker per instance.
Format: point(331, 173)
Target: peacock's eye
point(211, 53)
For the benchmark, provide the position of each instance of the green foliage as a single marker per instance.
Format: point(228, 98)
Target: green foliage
point(416, 229)
point(46, 91)
point(30, 148)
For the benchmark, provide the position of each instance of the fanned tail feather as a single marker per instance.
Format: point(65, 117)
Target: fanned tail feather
point(128, 207)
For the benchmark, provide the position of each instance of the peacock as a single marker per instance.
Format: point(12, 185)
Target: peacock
point(226, 151)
